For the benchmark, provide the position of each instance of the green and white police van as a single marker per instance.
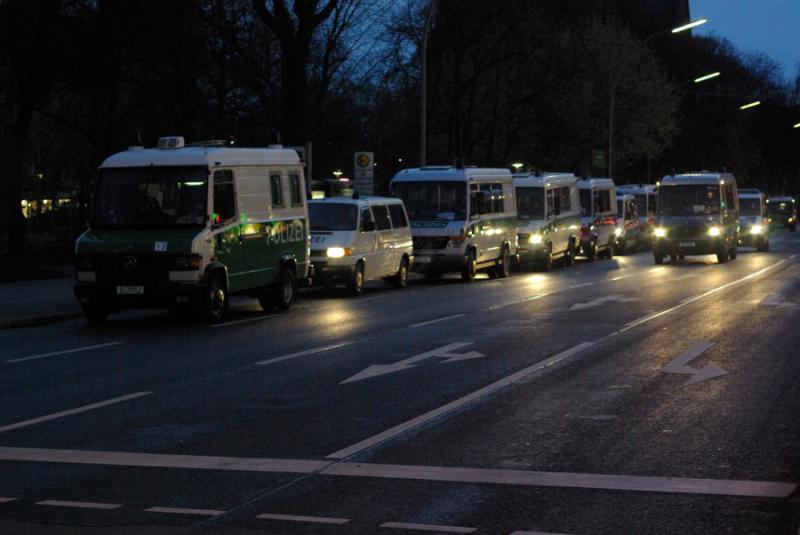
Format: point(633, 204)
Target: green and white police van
point(698, 214)
point(186, 227)
point(548, 218)
point(463, 219)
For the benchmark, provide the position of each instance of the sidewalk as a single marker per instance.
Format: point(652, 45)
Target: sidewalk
point(37, 302)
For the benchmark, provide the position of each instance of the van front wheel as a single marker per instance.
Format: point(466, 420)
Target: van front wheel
point(216, 300)
point(400, 280)
point(471, 267)
point(283, 293)
point(356, 284)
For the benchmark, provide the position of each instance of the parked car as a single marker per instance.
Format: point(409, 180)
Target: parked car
point(359, 239)
point(548, 218)
point(698, 214)
point(598, 199)
point(463, 219)
point(187, 226)
point(753, 221)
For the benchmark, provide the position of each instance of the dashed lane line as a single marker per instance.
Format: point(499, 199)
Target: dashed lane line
point(6, 500)
point(427, 527)
point(77, 410)
point(431, 322)
point(64, 352)
point(303, 353)
point(80, 505)
point(305, 519)
point(184, 511)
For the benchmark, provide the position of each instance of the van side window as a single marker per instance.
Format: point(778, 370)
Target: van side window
point(602, 201)
point(382, 221)
point(295, 189)
point(497, 198)
point(224, 198)
point(730, 202)
point(551, 203)
point(367, 223)
point(276, 189)
point(565, 200)
point(398, 216)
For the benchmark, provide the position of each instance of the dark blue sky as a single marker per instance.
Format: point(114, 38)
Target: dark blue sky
point(768, 26)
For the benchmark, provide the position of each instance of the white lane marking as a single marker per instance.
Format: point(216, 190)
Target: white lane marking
point(6, 500)
point(537, 533)
point(184, 511)
point(445, 352)
point(613, 298)
point(691, 300)
point(69, 412)
point(427, 527)
point(424, 323)
point(457, 404)
point(680, 363)
point(237, 322)
point(156, 460)
point(540, 296)
point(65, 352)
point(303, 353)
point(722, 487)
point(80, 505)
point(308, 519)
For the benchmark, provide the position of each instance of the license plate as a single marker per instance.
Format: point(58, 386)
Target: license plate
point(686, 244)
point(422, 259)
point(130, 290)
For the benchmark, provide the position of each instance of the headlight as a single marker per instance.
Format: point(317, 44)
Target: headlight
point(187, 263)
point(791, 219)
point(713, 231)
point(617, 232)
point(756, 229)
point(338, 252)
point(660, 232)
point(535, 239)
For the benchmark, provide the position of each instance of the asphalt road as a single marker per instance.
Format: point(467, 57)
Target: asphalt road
point(612, 397)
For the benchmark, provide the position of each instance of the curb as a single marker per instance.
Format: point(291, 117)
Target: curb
point(36, 321)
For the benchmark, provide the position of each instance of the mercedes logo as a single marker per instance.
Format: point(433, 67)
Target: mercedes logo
point(129, 263)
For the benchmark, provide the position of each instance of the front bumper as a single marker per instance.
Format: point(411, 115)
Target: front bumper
point(438, 262)
point(152, 295)
point(326, 272)
point(689, 246)
point(747, 239)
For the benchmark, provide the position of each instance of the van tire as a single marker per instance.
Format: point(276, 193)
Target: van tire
point(732, 253)
point(546, 263)
point(503, 269)
point(569, 255)
point(722, 255)
point(591, 253)
point(470, 269)
point(658, 258)
point(94, 313)
point(763, 246)
point(610, 249)
point(215, 301)
point(283, 292)
point(356, 284)
point(400, 280)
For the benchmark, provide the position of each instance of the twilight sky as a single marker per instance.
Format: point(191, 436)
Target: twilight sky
point(769, 26)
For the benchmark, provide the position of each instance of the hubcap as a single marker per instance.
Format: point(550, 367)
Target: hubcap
point(217, 298)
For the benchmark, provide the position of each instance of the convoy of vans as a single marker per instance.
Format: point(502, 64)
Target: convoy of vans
point(187, 226)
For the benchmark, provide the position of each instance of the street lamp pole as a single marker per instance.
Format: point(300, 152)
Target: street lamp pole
point(423, 115)
point(615, 83)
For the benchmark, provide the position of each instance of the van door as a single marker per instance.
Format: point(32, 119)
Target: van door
point(383, 229)
point(367, 242)
point(401, 237)
point(227, 237)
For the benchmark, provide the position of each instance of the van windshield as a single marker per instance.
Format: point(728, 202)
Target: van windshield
point(530, 203)
point(780, 207)
point(151, 197)
point(687, 200)
point(749, 206)
point(332, 216)
point(585, 196)
point(433, 201)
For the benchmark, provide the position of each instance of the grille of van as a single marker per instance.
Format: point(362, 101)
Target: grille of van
point(688, 231)
point(430, 242)
point(133, 269)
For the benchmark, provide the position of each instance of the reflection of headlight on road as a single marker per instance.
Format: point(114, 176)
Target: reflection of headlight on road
point(535, 239)
point(756, 229)
point(713, 231)
point(660, 232)
point(617, 232)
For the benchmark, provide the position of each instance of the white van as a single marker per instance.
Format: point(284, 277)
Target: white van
point(598, 197)
point(548, 218)
point(646, 205)
point(187, 226)
point(462, 219)
point(753, 220)
point(354, 240)
point(629, 232)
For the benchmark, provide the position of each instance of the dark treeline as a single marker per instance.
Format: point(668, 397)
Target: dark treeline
point(541, 82)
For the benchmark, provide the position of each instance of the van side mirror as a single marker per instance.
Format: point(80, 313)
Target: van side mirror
point(216, 220)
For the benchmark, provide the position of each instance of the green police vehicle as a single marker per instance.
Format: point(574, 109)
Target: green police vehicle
point(187, 226)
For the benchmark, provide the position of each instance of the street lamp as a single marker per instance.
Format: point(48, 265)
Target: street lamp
point(750, 105)
point(337, 173)
point(796, 126)
point(517, 166)
point(679, 29)
point(423, 115)
point(706, 77)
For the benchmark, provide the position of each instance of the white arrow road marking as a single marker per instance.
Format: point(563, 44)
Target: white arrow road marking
point(603, 301)
point(679, 365)
point(445, 352)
